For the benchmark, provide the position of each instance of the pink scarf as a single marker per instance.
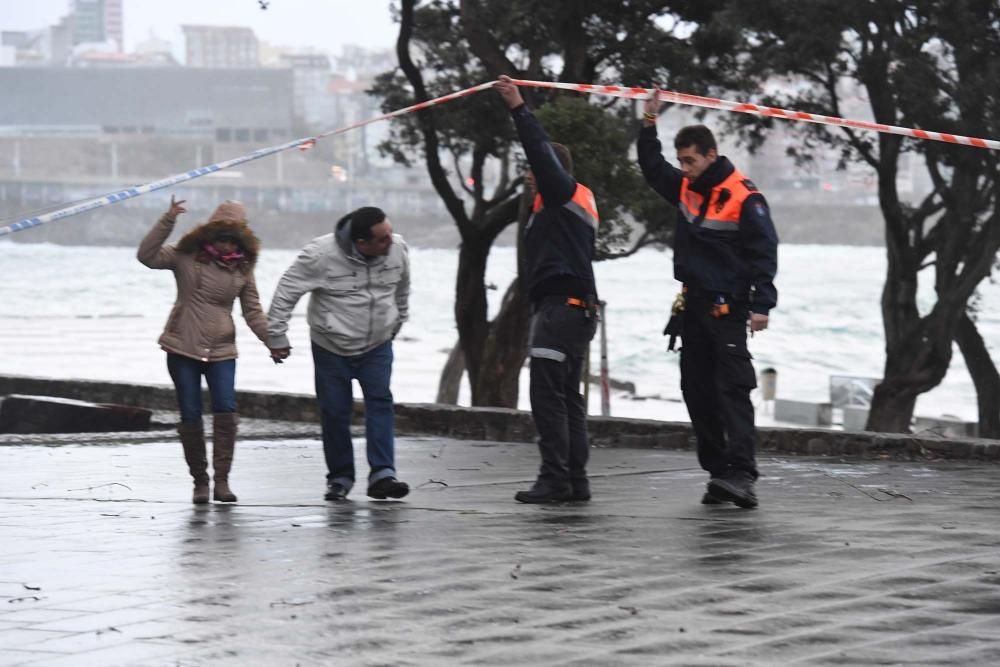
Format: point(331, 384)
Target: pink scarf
point(230, 258)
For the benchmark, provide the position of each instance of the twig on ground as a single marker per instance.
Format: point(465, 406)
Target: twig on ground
point(91, 488)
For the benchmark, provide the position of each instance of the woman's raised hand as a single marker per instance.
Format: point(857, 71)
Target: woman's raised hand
point(176, 208)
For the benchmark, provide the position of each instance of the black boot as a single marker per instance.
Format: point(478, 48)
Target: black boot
point(581, 488)
point(545, 492)
point(735, 487)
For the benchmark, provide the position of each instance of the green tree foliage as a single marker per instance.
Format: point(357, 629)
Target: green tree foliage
point(445, 46)
point(600, 142)
point(918, 63)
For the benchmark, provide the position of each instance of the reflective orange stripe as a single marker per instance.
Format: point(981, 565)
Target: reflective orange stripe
point(582, 204)
point(724, 216)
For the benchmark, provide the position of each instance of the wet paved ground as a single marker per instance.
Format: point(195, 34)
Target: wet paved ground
point(104, 562)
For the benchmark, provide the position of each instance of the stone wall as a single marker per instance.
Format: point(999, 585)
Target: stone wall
point(501, 424)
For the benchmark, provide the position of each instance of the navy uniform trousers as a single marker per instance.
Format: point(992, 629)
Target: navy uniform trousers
point(558, 340)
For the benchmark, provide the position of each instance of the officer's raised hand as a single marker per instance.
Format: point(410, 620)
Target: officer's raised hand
point(509, 92)
point(651, 108)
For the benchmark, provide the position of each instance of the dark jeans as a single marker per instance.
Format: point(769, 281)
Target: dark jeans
point(334, 373)
point(186, 374)
point(557, 344)
point(716, 378)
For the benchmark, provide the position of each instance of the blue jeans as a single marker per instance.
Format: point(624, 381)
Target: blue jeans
point(186, 374)
point(334, 373)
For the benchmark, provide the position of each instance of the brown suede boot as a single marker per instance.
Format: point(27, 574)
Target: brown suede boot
point(193, 440)
point(223, 447)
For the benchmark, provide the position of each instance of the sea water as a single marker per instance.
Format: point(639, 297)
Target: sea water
point(95, 313)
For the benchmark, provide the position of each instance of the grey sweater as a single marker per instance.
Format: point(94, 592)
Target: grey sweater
point(355, 304)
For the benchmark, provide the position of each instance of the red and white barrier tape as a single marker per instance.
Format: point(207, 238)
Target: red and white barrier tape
point(774, 112)
point(614, 91)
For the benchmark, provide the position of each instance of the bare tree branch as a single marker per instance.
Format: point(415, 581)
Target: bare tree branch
point(500, 217)
point(644, 240)
point(439, 178)
point(458, 171)
point(481, 41)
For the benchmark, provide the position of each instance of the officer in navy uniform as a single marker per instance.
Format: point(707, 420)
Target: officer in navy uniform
point(726, 256)
point(559, 248)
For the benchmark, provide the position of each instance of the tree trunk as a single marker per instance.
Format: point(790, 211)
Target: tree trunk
point(451, 376)
point(507, 345)
point(917, 349)
point(984, 376)
point(916, 363)
point(892, 407)
point(471, 308)
point(505, 351)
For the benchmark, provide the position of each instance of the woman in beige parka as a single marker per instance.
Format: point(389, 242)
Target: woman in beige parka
point(213, 265)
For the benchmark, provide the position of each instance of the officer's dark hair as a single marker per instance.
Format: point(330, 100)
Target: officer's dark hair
point(698, 136)
point(565, 157)
point(362, 220)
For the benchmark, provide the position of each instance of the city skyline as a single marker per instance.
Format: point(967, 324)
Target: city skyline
point(306, 24)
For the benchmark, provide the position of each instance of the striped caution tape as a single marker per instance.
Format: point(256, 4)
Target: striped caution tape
point(303, 144)
point(614, 91)
point(774, 112)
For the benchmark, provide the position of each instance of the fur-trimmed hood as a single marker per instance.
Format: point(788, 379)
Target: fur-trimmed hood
point(229, 219)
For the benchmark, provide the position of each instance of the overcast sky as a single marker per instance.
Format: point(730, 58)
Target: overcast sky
point(323, 24)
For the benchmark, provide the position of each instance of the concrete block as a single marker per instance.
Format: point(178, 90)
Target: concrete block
point(855, 418)
point(848, 390)
point(947, 427)
point(802, 412)
point(44, 414)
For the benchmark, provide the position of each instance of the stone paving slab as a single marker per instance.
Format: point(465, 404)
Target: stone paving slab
point(105, 562)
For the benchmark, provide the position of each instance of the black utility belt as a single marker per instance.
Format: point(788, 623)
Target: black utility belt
point(587, 303)
point(711, 295)
point(569, 300)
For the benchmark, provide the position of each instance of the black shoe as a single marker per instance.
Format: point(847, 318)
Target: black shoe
point(335, 491)
point(709, 499)
point(388, 487)
point(734, 487)
point(543, 492)
point(581, 489)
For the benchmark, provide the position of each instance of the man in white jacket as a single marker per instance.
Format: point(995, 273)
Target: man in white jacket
point(358, 278)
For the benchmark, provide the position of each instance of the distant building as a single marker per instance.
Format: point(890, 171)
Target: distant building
point(221, 46)
point(359, 63)
point(155, 51)
point(91, 26)
point(355, 71)
point(312, 102)
point(95, 21)
point(224, 105)
point(33, 47)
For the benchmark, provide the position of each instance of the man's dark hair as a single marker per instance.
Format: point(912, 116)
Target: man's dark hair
point(362, 221)
point(565, 157)
point(698, 136)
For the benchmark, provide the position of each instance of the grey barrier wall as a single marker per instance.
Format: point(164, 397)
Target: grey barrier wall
point(507, 425)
